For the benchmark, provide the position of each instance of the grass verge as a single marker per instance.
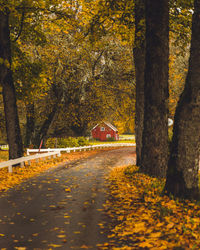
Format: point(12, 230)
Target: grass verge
point(108, 142)
point(141, 218)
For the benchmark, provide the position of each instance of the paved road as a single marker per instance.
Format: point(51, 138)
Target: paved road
point(61, 208)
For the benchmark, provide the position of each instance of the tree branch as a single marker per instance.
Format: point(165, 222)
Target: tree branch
point(21, 25)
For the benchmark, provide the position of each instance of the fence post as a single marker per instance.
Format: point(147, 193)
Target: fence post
point(10, 169)
point(22, 164)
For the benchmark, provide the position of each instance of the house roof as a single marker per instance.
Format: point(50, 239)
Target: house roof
point(108, 124)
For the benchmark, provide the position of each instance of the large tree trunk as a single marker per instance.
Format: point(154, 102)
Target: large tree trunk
point(155, 132)
point(30, 124)
point(139, 60)
point(9, 96)
point(183, 166)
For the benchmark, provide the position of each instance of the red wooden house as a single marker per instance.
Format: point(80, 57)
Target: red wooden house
point(105, 130)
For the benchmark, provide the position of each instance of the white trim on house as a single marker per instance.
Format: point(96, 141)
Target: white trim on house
point(108, 124)
point(111, 126)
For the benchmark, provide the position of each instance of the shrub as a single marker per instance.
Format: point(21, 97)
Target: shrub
point(82, 141)
point(66, 142)
point(51, 143)
point(111, 139)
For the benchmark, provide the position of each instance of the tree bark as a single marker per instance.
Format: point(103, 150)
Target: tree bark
point(9, 96)
point(183, 166)
point(155, 132)
point(30, 124)
point(139, 60)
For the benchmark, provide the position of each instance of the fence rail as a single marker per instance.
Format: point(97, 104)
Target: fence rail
point(4, 147)
point(84, 148)
point(9, 164)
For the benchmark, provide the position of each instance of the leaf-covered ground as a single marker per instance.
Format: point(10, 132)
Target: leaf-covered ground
point(8, 180)
point(144, 219)
point(61, 208)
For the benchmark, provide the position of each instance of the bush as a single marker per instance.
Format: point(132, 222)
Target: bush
point(111, 139)
point(82, 141)
point(51, 143)
point(66, 142)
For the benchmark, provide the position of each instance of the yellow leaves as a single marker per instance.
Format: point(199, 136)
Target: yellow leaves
point(68, 190)
point(84, 247)
point(145, 244)
point(171, 225)
point(61, 236)
point(5, 62)
point(1, 61)
point(54, 245)
point(139, 227)
point(155, 235)
point(146, 219)
point(2, 235)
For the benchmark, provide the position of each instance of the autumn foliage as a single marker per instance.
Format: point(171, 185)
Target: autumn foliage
point(142, 218)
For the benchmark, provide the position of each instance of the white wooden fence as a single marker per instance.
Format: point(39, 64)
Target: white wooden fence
point(4, 147)
point(84, 148)
point(9, 164)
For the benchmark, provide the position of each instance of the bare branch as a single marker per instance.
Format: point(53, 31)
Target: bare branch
point(21, 25)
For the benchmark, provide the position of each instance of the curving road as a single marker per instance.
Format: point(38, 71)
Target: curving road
point(62, 208)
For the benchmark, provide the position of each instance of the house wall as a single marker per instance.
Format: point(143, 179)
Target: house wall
point(103, 135)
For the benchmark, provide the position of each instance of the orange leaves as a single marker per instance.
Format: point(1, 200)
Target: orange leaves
point(147, 220)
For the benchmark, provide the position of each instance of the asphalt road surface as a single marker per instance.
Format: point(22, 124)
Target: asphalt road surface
point(63, 207)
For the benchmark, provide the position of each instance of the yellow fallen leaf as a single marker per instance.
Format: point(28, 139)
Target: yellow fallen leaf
point(139, 227)
point(61, 236)
point(155, 235)
point(170, 225)
point(145, 244)
point(54, 245)
point(35, 234)
point(84, 247)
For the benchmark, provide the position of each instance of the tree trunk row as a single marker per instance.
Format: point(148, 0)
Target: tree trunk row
point(9, 96)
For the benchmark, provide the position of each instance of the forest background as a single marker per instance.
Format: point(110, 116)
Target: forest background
point(73, 65)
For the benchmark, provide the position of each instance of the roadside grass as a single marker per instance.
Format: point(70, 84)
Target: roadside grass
point(9, 180)
point(126, 136)
point(108, 142)
point(123, 139)
point(142, 218)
